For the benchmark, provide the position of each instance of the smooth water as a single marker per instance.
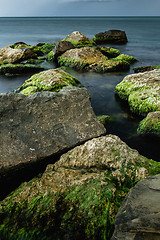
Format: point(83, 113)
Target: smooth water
point(143, 43)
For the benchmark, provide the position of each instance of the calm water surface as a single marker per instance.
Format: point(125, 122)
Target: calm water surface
point(143, 35)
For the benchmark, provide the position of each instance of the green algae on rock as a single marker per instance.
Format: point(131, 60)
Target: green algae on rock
point(79, 40)
point(142, 91)
point(150, 125)
point(19, 68)
point(104, 119)
point(91, 59)
point(76, 197)
point(50, 80)
point(146, 68)
point(109, 52)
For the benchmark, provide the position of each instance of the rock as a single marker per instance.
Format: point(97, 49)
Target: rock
point(142, 91)
point(139, 215)
point(90, 59)
point(145, 68)
point(10, 55)
point(109, 52)
point(62, 47)
point(50, 80)
point(150, 125)
point(44, 124)
point(104, 119)
point(79, 40)
point(19, 68)
point(77, 196)
point(111, 36)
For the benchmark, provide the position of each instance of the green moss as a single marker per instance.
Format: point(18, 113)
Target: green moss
point(44, 81)
point(149, 126)
point(143, 101)
point(82, 210)
point(142, 98)
point(109, 52)
point(19, 68)
point(72, 62)
point(146, 68)
point(50, 56)
point(79, 44)
point(104, 119)
point(126, 58)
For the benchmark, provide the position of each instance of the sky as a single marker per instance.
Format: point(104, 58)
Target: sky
point(23, 8)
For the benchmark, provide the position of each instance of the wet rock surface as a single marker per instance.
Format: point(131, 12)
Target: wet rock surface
point(77, 196)
point(142, 91)
point(150, 125)
point(43, 124)
point(139, 215)
point(91, 59)
point(111, 36)
point(50, 80)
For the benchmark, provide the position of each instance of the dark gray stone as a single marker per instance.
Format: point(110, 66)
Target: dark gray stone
point(61, 47)
point(111, 36)
point(139, 216)
point(44, 124)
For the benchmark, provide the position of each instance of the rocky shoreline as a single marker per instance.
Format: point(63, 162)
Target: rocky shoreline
point(90, 173)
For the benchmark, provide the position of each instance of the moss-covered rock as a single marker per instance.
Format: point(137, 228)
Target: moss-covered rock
point(142, 91)
point(78, 196)
point(91, 59)
point(146, 68)
point(150, 124)
point(109, 52)
point(19, 68)
point(79, 40)
point(51, 80)
point(111, 36)
point(104, 119)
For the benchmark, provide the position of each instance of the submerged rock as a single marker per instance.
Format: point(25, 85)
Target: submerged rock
point(150, 125)
point(91, 59)
point(139, 215)
point(111, 36)
point(78, 196)
point(79, 40)
point(142, 91)
point(43, 124)
point(50, 80)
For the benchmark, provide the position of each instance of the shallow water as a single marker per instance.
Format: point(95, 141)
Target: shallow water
point(143, 35)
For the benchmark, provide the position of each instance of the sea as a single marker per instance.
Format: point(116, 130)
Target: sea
point(143, 35)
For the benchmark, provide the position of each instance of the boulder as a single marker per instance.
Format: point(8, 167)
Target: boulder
point(10, 55)
point(79, 40)
point(150, 125)
point(44, 124)
point(50, 80)
point(139, 215)
point(142, 91)
point(91, 59)
point(109, 52)
point(145, 68)
point(19, 68)
point(111, 36)
point(78, 196)
point(62, 47)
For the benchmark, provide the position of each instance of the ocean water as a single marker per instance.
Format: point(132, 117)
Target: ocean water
point(143, 43)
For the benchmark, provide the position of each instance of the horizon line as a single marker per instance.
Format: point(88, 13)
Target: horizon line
point(76, 16)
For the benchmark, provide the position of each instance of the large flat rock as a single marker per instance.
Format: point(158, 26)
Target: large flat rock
point(139, 216)
point(43, 124)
